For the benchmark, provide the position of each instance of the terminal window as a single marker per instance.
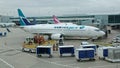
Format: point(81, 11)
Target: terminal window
point(114, 19)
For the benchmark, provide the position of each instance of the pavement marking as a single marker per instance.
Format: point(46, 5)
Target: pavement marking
point(53, 62)
point(7, 63)
point(63, 61)
point(103, 66)
point(72, 64)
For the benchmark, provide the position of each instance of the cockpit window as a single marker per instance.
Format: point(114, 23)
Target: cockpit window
point(97, 30)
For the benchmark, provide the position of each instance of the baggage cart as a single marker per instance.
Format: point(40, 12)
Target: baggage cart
point(40, 50)
point(90, 46)
point(85, 54)
point(102, 52)
point(113, 54)
point(66, 49)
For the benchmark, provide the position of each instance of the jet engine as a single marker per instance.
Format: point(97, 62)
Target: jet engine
point(56, 36)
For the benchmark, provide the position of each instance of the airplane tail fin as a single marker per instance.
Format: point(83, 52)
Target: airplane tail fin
point(23, 20)
point(56, 21)
point(20, 13)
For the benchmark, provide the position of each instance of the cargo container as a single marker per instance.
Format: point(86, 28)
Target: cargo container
point(85, 54)
point(113, 54)
point(40, 50)
point(89, 46)
point(66, 49)
point(102, 52)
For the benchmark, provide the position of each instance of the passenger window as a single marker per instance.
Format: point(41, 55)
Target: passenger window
point(97, 30)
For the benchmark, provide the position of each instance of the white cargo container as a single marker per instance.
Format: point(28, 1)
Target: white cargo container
point(113, 54)
point(102, 52)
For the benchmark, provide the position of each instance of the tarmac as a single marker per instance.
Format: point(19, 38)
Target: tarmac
point(11, 55)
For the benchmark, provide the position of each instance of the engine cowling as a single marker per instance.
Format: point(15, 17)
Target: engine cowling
point(56, 36)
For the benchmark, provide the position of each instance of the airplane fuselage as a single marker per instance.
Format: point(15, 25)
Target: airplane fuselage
point(66, 30)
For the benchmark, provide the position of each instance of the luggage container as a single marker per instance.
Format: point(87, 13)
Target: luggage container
point(85, 54)
point(66, 49)
point(102, 52)
point(84, 43)
point(44, 50)
point(113, 54)
point(90, 46)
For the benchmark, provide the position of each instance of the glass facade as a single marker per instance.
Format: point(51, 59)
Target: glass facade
point(114, 19)
point(85, 19)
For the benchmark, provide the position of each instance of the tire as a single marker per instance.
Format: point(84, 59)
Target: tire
point(73, 55)
point(39, 55)
point(50, 56)
point(30, 51)
point(78, 60)
point(60, 55)
point(23, 50)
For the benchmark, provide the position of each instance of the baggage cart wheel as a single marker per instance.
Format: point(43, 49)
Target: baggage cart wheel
point(30, 51)
point(23, 50)
point(104, 58)
point(73, 55)
point(60, 55)
point(78, 60)
point(39, 55)
point(101, 58)
point(92, 59)
point(111, 61)
point(50, 56)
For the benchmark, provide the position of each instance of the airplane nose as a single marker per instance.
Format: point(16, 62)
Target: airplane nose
point(102, 33)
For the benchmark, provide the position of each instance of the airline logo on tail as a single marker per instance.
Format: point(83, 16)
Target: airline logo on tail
point(56, 19)
point(23, 20)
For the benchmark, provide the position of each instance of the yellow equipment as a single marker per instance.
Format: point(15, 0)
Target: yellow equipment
point(31, 43)
point(31, 47)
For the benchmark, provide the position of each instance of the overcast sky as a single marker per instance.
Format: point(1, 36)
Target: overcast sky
point(59, 7)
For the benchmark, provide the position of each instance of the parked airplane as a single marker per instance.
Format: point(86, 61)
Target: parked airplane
point(7, 24)
point(56, 21)
point(57, 31)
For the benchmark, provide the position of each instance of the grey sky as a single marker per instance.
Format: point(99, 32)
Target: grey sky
point(58, 7)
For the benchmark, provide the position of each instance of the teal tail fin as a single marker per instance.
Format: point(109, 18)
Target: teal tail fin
point(23, 20)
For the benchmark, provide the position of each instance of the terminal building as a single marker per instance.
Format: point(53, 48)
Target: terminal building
point(93, 20)
point(5, 19)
